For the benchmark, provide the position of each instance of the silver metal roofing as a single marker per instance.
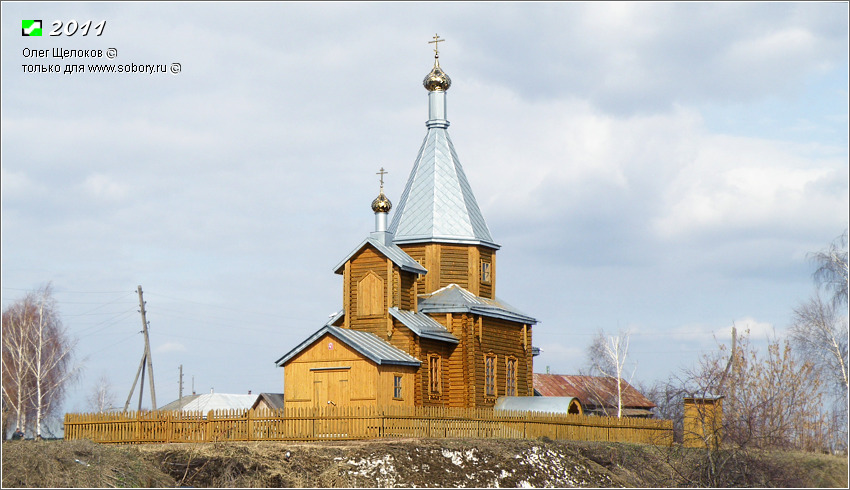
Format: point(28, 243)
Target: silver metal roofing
point(367, 344)
point(178, 404)
point(550, 404)
point(437, 204)
point(423, 325)
point(455, 299)
point(220, 401)
point(336, 316)
point(389, 250)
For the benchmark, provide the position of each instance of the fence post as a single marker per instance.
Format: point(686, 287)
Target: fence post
point(208, 426)
point(250, 424)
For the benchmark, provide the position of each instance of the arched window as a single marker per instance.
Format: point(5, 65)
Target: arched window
point(510, 376)
point(435, 374)
point(490, 376)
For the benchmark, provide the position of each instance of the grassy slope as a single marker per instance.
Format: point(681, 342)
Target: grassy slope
point(429, 462)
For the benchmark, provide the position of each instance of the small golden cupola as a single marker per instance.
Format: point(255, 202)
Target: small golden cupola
point(437, 80)
point(381, 206)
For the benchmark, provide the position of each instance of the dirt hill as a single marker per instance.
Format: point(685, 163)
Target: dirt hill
point(406, 463)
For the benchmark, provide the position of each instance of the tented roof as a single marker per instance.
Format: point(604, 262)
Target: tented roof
point(437, 204)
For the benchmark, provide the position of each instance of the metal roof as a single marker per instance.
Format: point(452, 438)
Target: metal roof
point(390, 251)
point(179, 403)
point(437, 204)
point(455, 299)
point(423, 325)
point(273, 400)
point(550, 404)
point(591, 390)
point(335, 316)
point(367, 344)
point(220, 401)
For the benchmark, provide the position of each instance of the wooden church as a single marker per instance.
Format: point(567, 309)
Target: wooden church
point(420, 322)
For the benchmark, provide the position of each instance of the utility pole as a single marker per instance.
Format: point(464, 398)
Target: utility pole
point(180, 383)
point(146, 359)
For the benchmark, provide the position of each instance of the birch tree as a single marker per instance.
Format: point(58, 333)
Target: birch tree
point(833, 269)
point(607, 356)
point(51, 362)
point(819, 334)
point(37, 358)
point(17, 349)
point(102, 398)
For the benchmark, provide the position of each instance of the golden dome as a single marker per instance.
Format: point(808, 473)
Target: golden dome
point(437, 80)
point(381, 204)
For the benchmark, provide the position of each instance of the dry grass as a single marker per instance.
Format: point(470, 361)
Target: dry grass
point(77, 464)
point(400, 463)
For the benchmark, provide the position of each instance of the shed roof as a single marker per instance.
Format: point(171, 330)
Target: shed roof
point(591, 390)
point(455, 299)
point(367, 344)
point(390, 251)
point(423, 325)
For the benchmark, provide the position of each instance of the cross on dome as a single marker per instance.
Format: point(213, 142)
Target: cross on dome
point(381, 173)
point(436, 45)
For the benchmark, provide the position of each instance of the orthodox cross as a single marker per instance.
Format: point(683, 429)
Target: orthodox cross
point(381, 173)
point(436, 45)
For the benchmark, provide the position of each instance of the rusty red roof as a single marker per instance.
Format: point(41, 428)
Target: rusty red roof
point(591, 390)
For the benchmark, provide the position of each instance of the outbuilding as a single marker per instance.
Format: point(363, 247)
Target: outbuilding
point(344, 367)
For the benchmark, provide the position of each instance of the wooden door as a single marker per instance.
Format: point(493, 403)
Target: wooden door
point(331, 390)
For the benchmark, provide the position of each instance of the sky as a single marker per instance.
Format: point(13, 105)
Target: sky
point(658, 168)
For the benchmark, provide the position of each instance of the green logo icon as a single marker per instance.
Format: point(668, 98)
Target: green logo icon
point(31, 27)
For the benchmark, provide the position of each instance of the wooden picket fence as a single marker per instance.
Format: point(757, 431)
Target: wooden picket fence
point(356, 423)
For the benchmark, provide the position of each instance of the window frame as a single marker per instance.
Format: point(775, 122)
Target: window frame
point(435, 375)
point(510, 376)
point(398, 383)
point(491, 389)
point(486, 274)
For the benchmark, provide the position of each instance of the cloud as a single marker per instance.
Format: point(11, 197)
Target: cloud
point(103, 187)
point(706, 334)
point(170, 347)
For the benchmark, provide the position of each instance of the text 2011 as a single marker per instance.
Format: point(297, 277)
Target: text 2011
point(72, 27)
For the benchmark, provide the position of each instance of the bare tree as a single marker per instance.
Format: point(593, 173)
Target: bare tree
point(820, 336)
point(102, 398)
point(37, 357)
point(819, 333)
point(607, 356)
point(770, 399)
point(51, 362)
point(832, 269)
point(17, 350)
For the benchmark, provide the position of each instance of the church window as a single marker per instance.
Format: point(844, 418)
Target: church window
point(435, 374)
point(490, 375)
point(485, 271)
point(510, 376)
point(397, 387)
point(370, 295)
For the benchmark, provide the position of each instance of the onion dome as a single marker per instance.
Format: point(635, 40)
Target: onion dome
point(437, 80)
point(381, 204)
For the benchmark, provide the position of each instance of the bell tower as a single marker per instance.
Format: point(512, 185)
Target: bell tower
point(437, 221)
